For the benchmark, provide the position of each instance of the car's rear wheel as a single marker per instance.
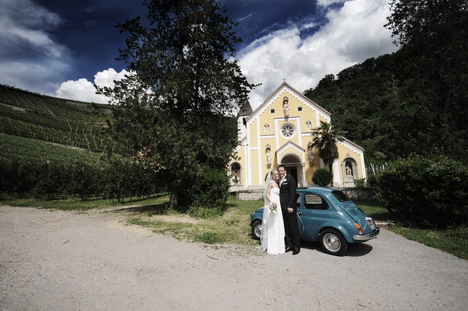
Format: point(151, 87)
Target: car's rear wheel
point(257, 229)
point(333, 242)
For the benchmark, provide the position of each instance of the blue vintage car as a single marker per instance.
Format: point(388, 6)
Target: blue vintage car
point(329, 216)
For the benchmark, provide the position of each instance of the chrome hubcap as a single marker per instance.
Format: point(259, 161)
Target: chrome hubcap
point(332, 242)
point(258, 230)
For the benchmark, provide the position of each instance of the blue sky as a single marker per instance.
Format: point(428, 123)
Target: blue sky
point(61, 47)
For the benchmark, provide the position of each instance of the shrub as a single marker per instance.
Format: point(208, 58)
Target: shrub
point(210, 189)
point(122, 178)
point(115, 178)
point(322, 177)
point(427, 191)
point(372, 180)
point(360, 182)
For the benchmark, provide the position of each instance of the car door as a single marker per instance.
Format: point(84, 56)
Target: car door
point(314, 212)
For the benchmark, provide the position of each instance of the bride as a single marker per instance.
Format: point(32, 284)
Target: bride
point(272, 237)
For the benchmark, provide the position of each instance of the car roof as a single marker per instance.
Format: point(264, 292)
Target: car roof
point(323, 190)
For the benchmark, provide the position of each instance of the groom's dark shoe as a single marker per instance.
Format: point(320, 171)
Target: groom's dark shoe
point(289, 249)
point(296, 251)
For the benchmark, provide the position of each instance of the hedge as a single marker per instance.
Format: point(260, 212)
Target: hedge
point(426, 191)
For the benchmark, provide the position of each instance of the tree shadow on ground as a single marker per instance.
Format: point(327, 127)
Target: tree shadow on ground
point(151, 209)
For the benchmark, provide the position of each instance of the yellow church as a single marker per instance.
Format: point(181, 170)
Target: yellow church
point(278, 132)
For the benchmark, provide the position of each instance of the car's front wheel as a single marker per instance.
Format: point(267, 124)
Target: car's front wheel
point(257, 229)
point(333, 242)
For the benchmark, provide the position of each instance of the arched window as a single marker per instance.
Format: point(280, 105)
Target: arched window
point(235, 173)
point(350, 171)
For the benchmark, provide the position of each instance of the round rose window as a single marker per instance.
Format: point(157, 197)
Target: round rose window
point(287, 130)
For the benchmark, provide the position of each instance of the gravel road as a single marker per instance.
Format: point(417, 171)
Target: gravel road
point(55, 260)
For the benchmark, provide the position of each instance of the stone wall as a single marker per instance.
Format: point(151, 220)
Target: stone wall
point(244, 195)
point(352, 193)
point(359, 193)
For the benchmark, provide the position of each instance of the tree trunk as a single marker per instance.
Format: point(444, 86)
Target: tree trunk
point(330, 169)
point(174, 198)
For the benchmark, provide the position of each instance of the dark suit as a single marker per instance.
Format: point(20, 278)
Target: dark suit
point(288, 199)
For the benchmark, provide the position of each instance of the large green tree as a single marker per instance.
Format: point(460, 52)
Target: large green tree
point(172, 108)
point(432, 72)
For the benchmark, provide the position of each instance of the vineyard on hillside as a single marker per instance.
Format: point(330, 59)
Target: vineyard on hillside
point(55, 148)
point(51, 119)
point(27, 150)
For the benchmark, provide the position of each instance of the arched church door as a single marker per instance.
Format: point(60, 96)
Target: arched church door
point(293, 167)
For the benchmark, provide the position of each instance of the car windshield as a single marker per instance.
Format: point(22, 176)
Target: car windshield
point(340, 196)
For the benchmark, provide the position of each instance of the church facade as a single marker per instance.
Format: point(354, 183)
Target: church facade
point(278, 132)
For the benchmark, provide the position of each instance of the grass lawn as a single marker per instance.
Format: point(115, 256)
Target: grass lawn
point(234, 225)
point(375, 210)
point(450, 240)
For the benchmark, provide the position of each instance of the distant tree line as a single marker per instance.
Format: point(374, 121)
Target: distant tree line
point(116, 178)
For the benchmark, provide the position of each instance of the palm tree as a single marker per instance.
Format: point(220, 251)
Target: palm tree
point(325, 140)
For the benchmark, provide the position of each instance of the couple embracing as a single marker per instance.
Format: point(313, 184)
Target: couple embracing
point(280, 232)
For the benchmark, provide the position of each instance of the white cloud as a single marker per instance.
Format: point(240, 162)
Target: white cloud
point(83, 90)
point(23, 20)
point(26, 46)
point(353, 33)
point(329, 2)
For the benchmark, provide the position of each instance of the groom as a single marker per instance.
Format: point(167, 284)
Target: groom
point(289, 209)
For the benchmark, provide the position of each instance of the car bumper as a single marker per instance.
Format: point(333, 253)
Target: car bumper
point(366, 237)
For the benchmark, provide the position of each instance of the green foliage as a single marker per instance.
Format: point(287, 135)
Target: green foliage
point(209, 189)
point(32, 168)
point(414, 100)
point(322, 177)
point(127, 178)
point(426, 191)
point(52, 119)
point(360, 182)
point(375, 210)
point(172, 108)
point(420, 22)
point(372, 180)
point(325, 139)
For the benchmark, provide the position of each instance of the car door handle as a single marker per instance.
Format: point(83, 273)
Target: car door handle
point(299, 213)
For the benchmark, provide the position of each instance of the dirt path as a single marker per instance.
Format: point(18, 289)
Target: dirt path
point(54, 260)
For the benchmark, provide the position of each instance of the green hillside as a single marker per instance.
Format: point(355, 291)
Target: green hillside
point(414, 100)
point(26, 150)
point(52, 119)
point(55, 148)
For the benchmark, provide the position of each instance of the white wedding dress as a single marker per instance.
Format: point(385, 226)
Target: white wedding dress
point(272, 239)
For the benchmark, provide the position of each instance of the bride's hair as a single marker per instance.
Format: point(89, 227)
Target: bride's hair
point(267, 181)
point(269, 178)
point(273, 172)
